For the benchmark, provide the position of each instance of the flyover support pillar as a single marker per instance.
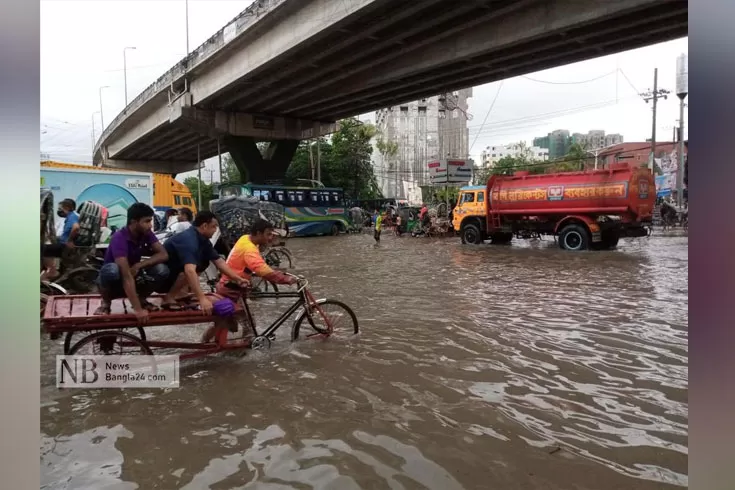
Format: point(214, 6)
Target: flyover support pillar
point(257, 167)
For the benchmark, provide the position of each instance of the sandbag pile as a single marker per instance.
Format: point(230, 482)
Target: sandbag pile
point(236, 215)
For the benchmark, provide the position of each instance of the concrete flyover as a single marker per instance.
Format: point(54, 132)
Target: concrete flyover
point(287, 70)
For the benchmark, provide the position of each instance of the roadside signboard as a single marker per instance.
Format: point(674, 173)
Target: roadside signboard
point(450, 171)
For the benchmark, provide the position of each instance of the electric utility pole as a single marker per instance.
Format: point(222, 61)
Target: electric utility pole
point(654, 95)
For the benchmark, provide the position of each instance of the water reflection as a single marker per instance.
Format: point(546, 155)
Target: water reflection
point(523, 366)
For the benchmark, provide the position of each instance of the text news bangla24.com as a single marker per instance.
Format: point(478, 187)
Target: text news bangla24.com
point(117, 371)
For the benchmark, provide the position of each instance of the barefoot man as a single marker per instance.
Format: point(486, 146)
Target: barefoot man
point(124, 273)
point(189, 254)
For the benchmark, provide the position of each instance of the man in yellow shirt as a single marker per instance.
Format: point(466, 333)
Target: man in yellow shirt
point(245, 259)
point(378, 227)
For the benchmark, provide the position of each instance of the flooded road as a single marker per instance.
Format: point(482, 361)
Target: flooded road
point(519, 367)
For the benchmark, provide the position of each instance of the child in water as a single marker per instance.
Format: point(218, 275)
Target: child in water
point(378, 228)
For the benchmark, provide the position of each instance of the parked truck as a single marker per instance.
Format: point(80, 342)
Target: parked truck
point(587, 209)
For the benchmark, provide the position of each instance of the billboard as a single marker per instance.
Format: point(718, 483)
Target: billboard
point(450, 171)
point(116, 191)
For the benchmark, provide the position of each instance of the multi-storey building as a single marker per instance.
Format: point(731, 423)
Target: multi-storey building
point(492, 154)
point(422, 130)
point(558, 142)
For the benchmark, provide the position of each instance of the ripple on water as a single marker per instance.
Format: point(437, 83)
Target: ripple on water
point(473, 361)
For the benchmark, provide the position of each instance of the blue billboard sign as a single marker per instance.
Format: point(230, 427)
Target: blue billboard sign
point(116, 191)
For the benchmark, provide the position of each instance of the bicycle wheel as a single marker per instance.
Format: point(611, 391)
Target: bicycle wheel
point(279, 258)
point(328, 317)
point(70, 335)
point(111, 343)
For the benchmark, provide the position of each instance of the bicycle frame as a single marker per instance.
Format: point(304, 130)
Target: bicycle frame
point(303, 299)
point(222, 343)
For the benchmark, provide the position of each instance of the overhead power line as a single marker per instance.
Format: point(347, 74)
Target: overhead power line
point(568, 83)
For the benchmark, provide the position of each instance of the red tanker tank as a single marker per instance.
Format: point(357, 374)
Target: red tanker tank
point(619, 190)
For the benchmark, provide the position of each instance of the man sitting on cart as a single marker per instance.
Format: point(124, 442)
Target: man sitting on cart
point(245, 256)
point(52, 251)
point(124, 273)
point(189, 254)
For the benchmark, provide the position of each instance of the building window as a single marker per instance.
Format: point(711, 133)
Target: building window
point(422, 111)
point(493, 155)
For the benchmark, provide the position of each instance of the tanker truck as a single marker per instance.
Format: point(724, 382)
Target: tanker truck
point(586, 210)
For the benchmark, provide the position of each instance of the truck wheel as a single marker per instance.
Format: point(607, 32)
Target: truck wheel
point(609, 241)
point(574, 237)
point(471, 234)
point(501, 238)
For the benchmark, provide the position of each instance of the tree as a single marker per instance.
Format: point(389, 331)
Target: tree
point(192, 183)
point(574, 160)
point(230, 172)
point(345, 161)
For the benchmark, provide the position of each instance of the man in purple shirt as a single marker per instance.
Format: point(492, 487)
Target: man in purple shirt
point(124, 273)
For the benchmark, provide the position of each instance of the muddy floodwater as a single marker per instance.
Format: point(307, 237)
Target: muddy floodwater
point(491, 367)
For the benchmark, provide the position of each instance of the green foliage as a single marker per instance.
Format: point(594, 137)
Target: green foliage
point(345, 161)
point(230, 173)
point(193, 184)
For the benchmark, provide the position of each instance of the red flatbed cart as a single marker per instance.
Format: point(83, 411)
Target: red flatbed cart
point(110, 334)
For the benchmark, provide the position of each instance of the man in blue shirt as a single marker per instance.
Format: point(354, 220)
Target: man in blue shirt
point(189, 254)
point(52, 251)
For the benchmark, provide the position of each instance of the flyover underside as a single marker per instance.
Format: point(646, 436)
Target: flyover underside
point(403, 50)
point(429, 46)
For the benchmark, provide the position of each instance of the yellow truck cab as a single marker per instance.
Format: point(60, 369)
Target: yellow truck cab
point(470, 205)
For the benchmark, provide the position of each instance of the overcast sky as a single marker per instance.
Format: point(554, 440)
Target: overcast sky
point(82, 46)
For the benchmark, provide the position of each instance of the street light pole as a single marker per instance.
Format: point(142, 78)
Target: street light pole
point(187, 27)
point(682, 89)
point(94, 137)
point(125, 72)
point(102, 119)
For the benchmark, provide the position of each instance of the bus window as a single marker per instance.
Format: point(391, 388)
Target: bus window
point(229, 191)
point(265, 195)
point(314, 198)
point(177, 200)
point(300, 198)
point(280, 197)
point(336, 198)
point(292, 198)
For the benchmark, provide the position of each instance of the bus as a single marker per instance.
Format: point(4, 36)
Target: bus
point(309, 211)
point(167, 191)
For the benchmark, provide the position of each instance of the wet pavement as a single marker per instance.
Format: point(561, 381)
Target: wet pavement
point(521, 367)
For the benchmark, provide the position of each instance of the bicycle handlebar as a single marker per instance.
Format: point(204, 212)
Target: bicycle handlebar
point(301, 283)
